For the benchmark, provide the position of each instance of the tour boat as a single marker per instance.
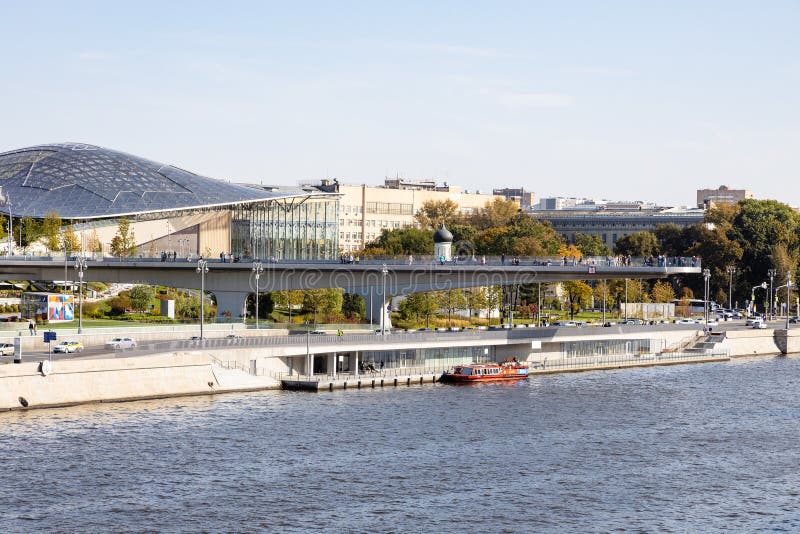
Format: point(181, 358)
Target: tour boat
point(486, 372)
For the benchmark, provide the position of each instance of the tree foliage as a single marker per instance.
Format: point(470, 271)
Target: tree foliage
point(638, 244)
point(591, 245)
point(353, 306)
point(402, 241)
point(141, 297)
point(578, 294)
point(124, 242)
point(51, 227)
point(433, 213)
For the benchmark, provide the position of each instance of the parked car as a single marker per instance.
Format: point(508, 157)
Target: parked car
point(68, 347)
point(6, 349)
point(121, 343)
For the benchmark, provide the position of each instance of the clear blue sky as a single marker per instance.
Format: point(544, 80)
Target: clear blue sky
point(617, 99)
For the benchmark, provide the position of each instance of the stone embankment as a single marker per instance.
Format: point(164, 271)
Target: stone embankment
point(67, 382)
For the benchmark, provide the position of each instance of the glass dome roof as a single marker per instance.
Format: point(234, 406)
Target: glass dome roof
point(81, 181)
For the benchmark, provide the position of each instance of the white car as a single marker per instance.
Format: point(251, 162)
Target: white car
point(759, 325)
point(6, 349)
point(121, 343)
point(685, 321)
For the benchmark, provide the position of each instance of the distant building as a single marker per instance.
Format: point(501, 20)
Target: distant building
point(721, 195)
point(365, 210)
point(616, 220)
point(525, 199)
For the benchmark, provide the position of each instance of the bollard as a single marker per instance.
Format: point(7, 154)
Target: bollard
point(395, 382)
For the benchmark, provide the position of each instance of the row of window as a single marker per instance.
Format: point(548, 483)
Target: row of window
point(389, 208)
point(373, 223)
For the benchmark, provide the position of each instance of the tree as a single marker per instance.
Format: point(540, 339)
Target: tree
point(326, 301)
point(141, 297)
point(578, 294)
point(265, 305)
point(51, 226)
point(662, 291)
point(420, 305)
point(289, 300)
point(494, 299)
point(477, 299)
point(31, 230)
point(452, 300)
point(433, 213)
point(569, 251)
point(124, 242)
point(402, 241)
point(591, 245)
point(640, 244)
point(353, 306)
point(496, 213)
point(69, 241)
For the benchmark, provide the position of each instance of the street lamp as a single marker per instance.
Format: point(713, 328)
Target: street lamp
point(80, 266)
point(731, 270)
point(258, 268)
point(626, 300)
point(706, 288)
point(788, 293)
point(384, 272)
point(202, 269)
point(771, 273)
point(762, 285)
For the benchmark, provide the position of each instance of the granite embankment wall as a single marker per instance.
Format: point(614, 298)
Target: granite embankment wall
point(70, 382)
point(750, 342)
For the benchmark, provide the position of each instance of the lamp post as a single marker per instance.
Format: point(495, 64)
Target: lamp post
point(202, 269)
point(706, 288)
point(771, 273)
point(258, 268)
point(384, 272)
point(788, 293)
point(762, 285)
point(626, 300)
point(6, 201)
point(731, 270)
point(80, 266)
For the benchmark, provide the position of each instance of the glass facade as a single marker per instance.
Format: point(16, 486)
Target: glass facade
point(290, 229)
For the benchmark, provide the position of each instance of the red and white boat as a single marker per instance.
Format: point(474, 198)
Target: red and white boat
point(486, 372)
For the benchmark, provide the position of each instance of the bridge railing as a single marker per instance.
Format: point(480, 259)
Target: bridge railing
point(464, 259)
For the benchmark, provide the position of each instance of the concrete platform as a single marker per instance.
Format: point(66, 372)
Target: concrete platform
point(367, 380)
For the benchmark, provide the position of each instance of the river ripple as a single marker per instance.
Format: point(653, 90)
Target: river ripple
point(710, 447)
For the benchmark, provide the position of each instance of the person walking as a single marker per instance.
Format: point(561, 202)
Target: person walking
point(30, 327)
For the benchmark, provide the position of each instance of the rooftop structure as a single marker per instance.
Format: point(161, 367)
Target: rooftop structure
point(171, 209)
point(721, 195)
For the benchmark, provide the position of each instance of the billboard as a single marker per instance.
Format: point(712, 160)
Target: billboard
point(51, 307)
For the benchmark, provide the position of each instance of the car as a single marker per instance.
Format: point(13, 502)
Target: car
point(794, 320)
point(68, 347)
point(233, 336)
point(121, 343)
point(759, 325)
point(753, 319)
point(685, 321)
point(195, 338)
point(6, 349)
point(564, 323)
point(323, 332)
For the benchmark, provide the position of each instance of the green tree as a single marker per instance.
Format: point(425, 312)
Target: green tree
point(432, 213)
point(265, 305)
point(402, 241)
point(326, 301)
point(31, 230)
point(51, 227)
point(452, 300)
point(638, 244)
point(141, 297)
point(420, 306)
point(476, 299)
point(353, 306)
point(578, 295)
point(591, 245)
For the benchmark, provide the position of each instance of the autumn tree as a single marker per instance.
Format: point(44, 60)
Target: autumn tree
point(124, 242)
point(496, 213)
point(591, 245)
point(662, 291)
point(51, 227)
point(433, 213)
point(69, 241)
point(579, 294)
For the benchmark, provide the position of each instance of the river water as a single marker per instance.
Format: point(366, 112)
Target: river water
point(710, 447)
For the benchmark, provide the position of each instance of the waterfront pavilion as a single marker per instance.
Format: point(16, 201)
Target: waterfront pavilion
point(170, 209)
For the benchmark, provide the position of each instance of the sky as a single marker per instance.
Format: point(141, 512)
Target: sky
point(624, 100)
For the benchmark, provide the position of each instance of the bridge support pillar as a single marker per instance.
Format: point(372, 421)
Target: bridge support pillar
point(231, 302)
point(376, 305)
